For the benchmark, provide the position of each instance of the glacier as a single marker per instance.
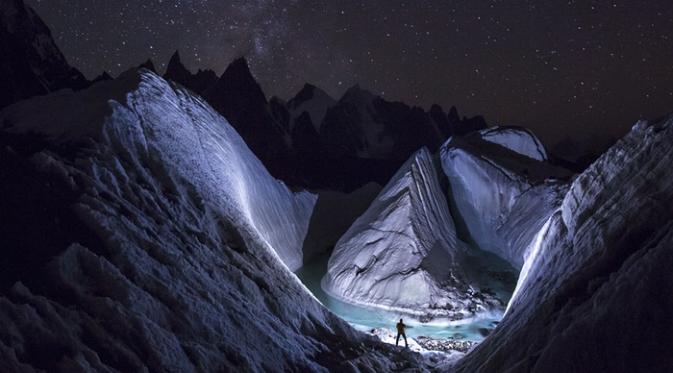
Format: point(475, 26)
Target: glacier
point(518, 139)
point(403, 254)
point(143, 235)
point(593, 295)
point(157, 124)
point(501, 188)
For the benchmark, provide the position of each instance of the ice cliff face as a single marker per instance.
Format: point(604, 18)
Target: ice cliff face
point(517, 139)
point(502, 189)
point(594, 293)
point(137, 235)
point(171, 126)
point(403, 253)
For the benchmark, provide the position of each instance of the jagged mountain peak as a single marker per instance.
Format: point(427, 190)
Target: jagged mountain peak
point(175, 68)
point(175, 58)
point(309, 92)
point(149, 65)
point(238, 76)
point(179, 73)
point(32, 63)
point(314, 101)
point(357, 94)
point(104, 76)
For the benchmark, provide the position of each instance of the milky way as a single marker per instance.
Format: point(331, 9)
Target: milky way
point(560, 67)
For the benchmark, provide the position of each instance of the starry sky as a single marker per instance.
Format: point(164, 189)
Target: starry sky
point(562, 68)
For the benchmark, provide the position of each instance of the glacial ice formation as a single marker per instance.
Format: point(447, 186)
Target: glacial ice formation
point(517, 139)
point(171, 126)
point(138, 232)
point(501, 188)
point(403, 253)
point(594, 294)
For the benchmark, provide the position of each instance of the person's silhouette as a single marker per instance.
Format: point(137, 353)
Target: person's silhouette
point(400, 331)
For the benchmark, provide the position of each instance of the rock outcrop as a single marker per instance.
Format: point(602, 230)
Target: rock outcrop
point(31, 64)
point(177, 72)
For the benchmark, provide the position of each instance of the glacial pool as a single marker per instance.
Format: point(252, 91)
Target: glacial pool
point(367, 318)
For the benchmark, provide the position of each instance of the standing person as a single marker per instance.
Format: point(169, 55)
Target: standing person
point(400, 331)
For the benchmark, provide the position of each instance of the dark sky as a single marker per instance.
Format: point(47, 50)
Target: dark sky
point(559, 67)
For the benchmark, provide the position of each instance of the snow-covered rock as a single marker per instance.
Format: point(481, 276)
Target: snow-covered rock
point(403, 253)
point(594, 293)
point(312, 100)
point(137, 234)
point(501, 193)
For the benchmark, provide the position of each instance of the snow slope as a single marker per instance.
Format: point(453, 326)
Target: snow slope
point(138, 232)
point(594, 294)
point(403, 253)
point(502, 194)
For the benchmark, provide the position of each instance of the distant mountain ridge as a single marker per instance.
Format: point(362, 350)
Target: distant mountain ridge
point(315, 141)
point(310, 141)
point(31, 63)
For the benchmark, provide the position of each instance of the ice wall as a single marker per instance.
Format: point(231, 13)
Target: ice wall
point(137, 234)
point(502, 194)
point(594, 293)
point(168, 126)
point(403, 253)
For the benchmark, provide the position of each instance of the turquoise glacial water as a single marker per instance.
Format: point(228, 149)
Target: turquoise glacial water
point(367, 318)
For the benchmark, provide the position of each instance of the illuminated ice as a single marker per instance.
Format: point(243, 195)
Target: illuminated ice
point(171, 126)
point(517, 139)
point(501, 190)
point(165, 225)
point(403, 253)
point(594, 293)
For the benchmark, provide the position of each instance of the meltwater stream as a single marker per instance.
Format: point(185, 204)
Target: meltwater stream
point(368, 318)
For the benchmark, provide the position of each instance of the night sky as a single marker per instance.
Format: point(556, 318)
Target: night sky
point(558, 67)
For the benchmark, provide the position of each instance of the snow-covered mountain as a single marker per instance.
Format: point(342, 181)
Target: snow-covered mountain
point(594, 293)
point(312, 100)
point(31, 63)
point(501, 188)
point(403, 254)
